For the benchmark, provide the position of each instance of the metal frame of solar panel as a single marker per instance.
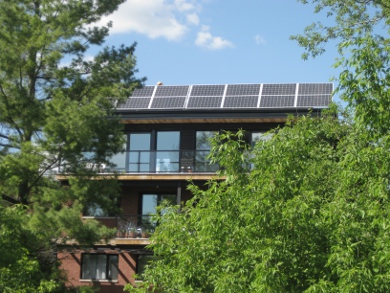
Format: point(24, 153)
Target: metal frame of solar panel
point(205, 96)
point(168, 97)
point(251, 96)
point(242, 96)
point(314, 94)
point(278, 95)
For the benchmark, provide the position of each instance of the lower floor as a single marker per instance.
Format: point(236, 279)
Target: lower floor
point(107, 269)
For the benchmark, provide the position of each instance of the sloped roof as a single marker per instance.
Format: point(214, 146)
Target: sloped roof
point(225, 101)
point(230, 96)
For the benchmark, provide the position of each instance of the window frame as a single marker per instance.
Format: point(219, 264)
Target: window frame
point(108, 271)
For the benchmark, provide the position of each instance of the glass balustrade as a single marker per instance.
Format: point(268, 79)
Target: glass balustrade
point(184, 161)
point(168, 162)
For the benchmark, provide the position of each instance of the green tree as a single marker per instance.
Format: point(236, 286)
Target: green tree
point(56, 112)
point(306, 211)
point(360, 30)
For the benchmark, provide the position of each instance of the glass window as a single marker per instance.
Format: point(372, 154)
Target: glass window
point(203, 146)
point(139, 155)
point(142, 262)
point(139, 141)
point(119, 159)
point(151, 201)
point(167, 155)
point(99, 266)
point(168, 140)
point(259, 136)
point(203, 139)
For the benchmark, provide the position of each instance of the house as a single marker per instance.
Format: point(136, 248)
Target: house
point(167, 130)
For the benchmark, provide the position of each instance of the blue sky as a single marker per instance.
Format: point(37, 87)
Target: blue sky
point(219, 41)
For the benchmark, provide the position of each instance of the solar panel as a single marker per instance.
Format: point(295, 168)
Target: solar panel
point(204, 102)
point(232, 96)
point(171, 91)
point(146, 91)
point(243, 89)
point(314, 101)
point(207, 90)
point(167, 102)
point(136, 103)
point(241, 102)
point(315, 88)
point(277, 101)
point(279, 89)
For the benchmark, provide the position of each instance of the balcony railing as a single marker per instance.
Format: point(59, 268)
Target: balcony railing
point(184, 161)
point(135, 226)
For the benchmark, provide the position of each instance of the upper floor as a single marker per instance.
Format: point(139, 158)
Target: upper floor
point(167, 128)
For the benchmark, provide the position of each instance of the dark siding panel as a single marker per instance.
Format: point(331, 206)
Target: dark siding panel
point(187, 140)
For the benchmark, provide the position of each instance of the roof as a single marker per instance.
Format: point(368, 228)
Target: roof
point(225, 101)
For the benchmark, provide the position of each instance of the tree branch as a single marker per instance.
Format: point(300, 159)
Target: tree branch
point(10, 199)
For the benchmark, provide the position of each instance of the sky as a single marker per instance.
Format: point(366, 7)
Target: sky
point(182, 42)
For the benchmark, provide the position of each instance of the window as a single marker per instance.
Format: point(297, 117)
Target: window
point(154, 151)
point(119, 159)
point(142, 261)
point(167, 155)
point(259, 136)
point(139, 156)
point(151, 201)
point(203, 147)
point(99, 266)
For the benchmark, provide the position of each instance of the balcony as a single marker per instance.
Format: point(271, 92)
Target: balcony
point(184, 161)
point(134, 229)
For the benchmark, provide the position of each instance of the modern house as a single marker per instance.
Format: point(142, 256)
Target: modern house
point(167, 130)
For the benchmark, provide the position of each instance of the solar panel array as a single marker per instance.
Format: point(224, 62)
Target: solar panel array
point(231, 96)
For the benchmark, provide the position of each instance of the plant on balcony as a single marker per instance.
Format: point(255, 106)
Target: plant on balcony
point(131, 230)
point(146, 233)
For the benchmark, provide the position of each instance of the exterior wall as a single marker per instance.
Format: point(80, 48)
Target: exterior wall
point(71, 265)
point(131, 206)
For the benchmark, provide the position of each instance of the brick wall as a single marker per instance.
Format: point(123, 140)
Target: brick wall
point(71, 266)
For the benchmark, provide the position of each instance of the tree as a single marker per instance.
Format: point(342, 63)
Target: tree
point(311, 215)
point(56, 111)
point(306, 211)
point(360, 30)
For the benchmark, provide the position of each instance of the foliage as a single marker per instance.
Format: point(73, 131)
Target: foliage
point(307, 211)
point(360, 30)
point(56, 108)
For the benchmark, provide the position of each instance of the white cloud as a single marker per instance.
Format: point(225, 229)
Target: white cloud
point(193, 18)
point(183, 5)
point(155, 18)
point(260, 40)
point(206, 40)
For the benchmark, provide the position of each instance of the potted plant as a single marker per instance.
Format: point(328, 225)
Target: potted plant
point(146, 233)
point(131, 230)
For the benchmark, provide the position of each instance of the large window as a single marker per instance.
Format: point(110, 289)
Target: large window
point(139, 156)
point(142, 261)
point(203, 146)
point(151, 201)
point(259, 136)
point(154, 151)
point(167, 155)
point(99, 266)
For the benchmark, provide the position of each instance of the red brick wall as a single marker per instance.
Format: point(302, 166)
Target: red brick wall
point(71, 265)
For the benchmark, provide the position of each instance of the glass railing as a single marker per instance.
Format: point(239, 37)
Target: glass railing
point(185, 161)
point(135, 226)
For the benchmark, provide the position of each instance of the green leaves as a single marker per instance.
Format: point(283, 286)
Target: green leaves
point(56, 108)
point(311, 215)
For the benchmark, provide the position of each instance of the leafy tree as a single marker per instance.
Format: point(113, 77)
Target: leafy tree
point(306, 211)
point(360, 30)
point(56, 112)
